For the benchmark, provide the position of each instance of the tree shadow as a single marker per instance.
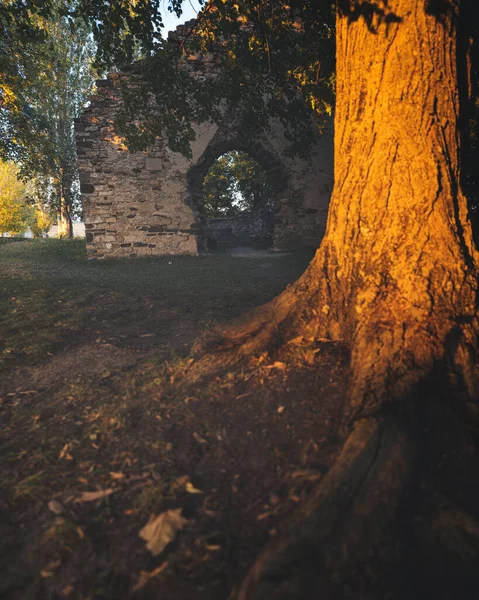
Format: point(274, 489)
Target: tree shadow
point(442, 9)
point(373, 15)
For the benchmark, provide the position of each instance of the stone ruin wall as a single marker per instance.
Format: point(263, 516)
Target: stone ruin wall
point(148, 203)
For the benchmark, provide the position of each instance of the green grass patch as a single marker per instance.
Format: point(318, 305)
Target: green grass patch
point(52, 297)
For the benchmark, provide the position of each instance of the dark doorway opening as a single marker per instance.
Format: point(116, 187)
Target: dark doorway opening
point(237, 203)
point(237, 189)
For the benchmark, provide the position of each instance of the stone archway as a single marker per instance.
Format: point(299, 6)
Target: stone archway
point(271, 163)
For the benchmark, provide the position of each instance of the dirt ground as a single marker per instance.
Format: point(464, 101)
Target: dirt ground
point(97, 440)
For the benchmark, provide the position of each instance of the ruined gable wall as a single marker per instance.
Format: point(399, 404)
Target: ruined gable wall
point(142, 204)
point(134, 204)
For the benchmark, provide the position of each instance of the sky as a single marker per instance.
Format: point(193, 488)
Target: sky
point(190, 8)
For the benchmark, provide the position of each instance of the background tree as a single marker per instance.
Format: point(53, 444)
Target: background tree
point(42, 209)
point(14, 211)
point(121, 30)
point(57, 77)
point(234, 185)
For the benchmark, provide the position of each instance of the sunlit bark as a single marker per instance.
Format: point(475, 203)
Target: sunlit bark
point(401, 258)
point(64, 221)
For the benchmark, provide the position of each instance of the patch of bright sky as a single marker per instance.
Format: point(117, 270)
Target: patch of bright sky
point(171, 21)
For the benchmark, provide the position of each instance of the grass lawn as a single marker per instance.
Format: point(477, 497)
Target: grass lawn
point(52, 298)
point(95, 438)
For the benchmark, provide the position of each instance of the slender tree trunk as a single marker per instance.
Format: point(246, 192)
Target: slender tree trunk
point(65, 226)
point(395, 278)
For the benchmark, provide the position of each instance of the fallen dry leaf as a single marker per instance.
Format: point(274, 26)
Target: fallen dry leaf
point(190, 488)
point(242, 396)
point(92, 496)
point(263, 516)
point(276, 365)
point(213, 547)
point(116, 475)
point(49, 570)
point(64, 452)
point(44, 573)
point(273, 499)
point(297, 340)
point(145, 576)
point(56, 507)
point(66, 591)
point(199, 439)
point(161, 530)
point(309, 475)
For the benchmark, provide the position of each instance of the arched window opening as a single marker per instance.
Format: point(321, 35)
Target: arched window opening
point(238, 203)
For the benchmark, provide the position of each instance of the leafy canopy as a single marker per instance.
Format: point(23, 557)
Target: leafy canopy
point(277, 60)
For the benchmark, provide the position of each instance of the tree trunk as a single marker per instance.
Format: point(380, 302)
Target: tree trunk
point(65, 225)
point(399, 254)
point(396, 278)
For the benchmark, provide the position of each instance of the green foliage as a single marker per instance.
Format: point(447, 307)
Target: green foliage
point(276, 62)
point(182, 99)
point(54, 77)
point(41, 219)
point(14, 212)
point(122, 30)
point(235, 184)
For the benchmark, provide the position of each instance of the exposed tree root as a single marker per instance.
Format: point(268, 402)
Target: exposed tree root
point(267, 327)
point(348, 537)
point(457, 534)
point(252, 330)
point(253, 334)
point(349, 520)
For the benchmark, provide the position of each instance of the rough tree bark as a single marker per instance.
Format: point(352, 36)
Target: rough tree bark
point(396, 278)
